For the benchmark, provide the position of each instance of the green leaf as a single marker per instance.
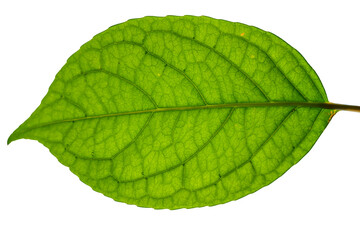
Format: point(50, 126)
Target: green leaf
point(181, 112)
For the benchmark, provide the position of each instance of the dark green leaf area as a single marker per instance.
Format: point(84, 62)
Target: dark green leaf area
point(178, 112)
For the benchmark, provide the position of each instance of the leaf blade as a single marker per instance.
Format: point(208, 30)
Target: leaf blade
point(108, 113)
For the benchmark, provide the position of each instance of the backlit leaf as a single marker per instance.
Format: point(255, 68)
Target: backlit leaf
point(181, 112)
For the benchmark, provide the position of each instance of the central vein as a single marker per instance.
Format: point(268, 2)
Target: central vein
point(324, 105)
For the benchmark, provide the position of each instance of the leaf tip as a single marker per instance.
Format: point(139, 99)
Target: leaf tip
point(11, 139)
point(14, 136)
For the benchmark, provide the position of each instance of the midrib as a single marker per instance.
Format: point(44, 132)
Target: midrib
point(326, 105)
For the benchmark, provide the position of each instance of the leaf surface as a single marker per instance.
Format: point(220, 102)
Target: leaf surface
point(180, 112)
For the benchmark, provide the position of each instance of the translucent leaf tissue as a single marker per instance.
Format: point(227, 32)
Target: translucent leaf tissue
point(181, 112)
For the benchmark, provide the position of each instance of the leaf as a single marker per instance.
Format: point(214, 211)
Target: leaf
point(181, 112)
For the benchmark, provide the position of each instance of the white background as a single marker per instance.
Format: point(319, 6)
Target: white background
point(319, 198)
